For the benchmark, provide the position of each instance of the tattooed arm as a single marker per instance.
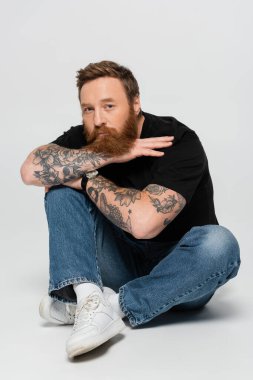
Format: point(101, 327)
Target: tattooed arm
point(53, 165)
point(144, 214)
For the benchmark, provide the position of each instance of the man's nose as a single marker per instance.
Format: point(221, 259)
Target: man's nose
point(99, 118)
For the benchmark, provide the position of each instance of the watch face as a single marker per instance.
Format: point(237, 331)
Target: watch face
point(92, 174)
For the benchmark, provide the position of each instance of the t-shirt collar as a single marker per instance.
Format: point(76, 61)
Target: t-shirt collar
point(145, 125)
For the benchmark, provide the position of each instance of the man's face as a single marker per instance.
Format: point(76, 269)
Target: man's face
point(110, 123)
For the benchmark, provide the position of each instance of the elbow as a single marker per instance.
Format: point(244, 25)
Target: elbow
point(144, 232)
point(143, 235)
point(144, 226)
point(25, 174)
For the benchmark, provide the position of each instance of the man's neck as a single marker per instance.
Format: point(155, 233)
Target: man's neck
point(140, 125)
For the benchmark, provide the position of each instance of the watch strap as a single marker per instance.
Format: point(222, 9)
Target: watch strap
point(89, 175)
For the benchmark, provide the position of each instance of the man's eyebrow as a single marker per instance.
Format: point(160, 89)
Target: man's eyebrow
point(85, 104)
point(102, 100)
point(108, 100)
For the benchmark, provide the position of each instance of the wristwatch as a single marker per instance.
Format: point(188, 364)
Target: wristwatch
point(88, 175)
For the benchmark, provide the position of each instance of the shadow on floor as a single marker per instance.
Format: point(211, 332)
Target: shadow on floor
point(215, 310)
point(220, 308)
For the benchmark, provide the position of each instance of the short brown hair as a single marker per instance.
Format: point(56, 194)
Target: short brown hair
point(109, 69)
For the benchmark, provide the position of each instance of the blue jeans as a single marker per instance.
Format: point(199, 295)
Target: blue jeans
point(151, 277)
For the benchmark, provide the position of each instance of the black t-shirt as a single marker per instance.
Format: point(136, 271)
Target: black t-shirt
point(183, 168)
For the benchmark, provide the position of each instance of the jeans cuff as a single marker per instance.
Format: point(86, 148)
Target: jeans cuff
point(128, 314)
point(66, 283)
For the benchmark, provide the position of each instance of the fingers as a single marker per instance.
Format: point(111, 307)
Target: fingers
point(160, 138)
point(155, 142)
point(153, 153)
point(145, 147)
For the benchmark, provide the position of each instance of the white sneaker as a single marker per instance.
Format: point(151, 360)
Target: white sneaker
point(62, 313)
point(55, 311)
point(95, 323)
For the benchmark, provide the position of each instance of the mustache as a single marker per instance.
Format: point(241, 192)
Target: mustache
point(104, 130)
point(99, 130)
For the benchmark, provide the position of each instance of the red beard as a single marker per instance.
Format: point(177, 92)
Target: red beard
point(113, 142)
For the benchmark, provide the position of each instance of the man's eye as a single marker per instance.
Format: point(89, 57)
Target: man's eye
point(87, 109)
point(109, 106)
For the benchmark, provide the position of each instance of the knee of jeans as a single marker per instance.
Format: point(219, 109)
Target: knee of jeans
point(60, 194)
point(65, 194)
point(218, 241)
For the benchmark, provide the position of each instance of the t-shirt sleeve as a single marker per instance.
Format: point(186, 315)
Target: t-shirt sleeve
point(72, 139)
point(182, 166)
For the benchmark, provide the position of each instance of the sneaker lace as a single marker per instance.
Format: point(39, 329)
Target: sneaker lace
point(85, 312)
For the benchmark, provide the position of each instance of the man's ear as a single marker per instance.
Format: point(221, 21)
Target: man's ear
point(137, 105)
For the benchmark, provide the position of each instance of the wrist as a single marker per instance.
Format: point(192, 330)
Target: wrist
point(85, 178)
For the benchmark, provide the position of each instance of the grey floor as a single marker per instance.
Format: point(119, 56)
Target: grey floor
point(212, 343)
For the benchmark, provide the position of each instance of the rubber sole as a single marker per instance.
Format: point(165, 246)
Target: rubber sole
point(89, 344)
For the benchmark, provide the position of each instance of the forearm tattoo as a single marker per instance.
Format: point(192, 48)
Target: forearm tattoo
point(59, 165)
point(101, 183)
point(166, 222)
point(123, 196)
point(127, 196)
point(114, 214)
point(97, 189)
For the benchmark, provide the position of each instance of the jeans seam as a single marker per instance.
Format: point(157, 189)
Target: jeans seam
point(127, 313)
point(136, 321)
point(96, 252)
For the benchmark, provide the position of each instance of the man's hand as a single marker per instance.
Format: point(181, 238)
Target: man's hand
point(141, 147)
point(75, 184)
point(145, 147)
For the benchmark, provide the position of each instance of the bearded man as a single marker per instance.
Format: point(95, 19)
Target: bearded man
point(130, 210)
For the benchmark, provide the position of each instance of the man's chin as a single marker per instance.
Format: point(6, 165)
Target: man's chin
point(101, 135)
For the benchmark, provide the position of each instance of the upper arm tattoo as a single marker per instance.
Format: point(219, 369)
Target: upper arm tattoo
point(155, 189)
point(171, 204)
point(165, 205)
point(60, 165)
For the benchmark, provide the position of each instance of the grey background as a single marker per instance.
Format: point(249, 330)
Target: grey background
point(193, 60)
